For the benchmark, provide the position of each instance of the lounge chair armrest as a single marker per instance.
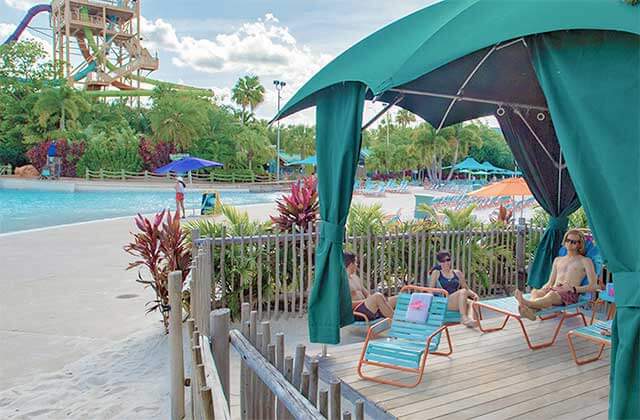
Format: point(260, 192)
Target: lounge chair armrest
point(360, 315)
point(379, 327)
point(436, 332)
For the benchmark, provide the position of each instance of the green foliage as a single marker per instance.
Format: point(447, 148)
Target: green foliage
point(112, 150)
point(248, 93)
point(58, 109)
point(578, 219)
point(460, 219)
point(180, 119)
point(366, 218)
point(493, 148)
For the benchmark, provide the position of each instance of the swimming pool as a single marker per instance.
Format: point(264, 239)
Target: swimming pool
point(30, 209)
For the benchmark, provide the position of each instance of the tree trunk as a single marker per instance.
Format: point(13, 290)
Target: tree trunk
point(62, 115)
point(455, 160)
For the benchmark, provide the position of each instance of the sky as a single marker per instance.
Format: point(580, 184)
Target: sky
point(211, 44)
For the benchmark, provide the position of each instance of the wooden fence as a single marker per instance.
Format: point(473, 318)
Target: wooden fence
point(272, 385)
point(6, 170)
point(214, 176)
point(274, 273)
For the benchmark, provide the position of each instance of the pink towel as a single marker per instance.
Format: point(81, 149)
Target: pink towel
point(418, 309)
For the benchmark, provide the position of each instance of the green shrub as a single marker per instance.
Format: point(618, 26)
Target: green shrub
point(114, 151)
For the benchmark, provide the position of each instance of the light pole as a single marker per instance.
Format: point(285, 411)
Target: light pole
point(279, 85)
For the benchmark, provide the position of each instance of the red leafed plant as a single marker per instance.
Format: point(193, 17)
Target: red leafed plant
point(155, 154)
point(299, 208)
point(161, 247)
point(69, 153)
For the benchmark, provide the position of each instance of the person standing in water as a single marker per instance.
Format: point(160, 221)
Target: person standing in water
point(180, 187)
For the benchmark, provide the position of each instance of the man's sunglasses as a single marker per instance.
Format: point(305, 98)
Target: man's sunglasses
point(572, 241)
point(446, 260)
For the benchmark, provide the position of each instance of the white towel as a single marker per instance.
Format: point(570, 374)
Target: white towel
point(418, 309)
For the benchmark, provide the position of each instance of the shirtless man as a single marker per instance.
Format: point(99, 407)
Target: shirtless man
point(564, 285)
point(373, 306)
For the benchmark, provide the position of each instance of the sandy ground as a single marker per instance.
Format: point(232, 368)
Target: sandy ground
point(75, 340)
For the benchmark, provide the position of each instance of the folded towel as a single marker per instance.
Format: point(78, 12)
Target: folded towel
point(418, 309)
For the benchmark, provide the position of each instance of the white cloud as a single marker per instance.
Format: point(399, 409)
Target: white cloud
point(6, 29)
point(263, 47)
point(22, 4)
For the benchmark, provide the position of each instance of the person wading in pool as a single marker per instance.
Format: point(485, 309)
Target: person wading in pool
point(565, 282)
point(180, 187)
point(373, 306)
point(443, 276)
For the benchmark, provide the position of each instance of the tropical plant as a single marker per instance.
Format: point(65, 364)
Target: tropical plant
point(155, 154)
point(299, 209)
point(460, 219)
point(69, 153)
point(115, 150)
point(248, 93)
point(178, 119)
point(60, 107)
point(463, 137)
point(365, 218)
point(504, 216)
point(161, 247)
point(404, 118)
point(252, 146)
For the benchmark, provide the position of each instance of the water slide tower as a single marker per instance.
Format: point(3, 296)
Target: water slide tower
point(107, 33)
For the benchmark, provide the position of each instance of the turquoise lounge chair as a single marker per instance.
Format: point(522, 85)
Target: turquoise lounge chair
point(508, 306)
point(592, 333)
point(407, 344)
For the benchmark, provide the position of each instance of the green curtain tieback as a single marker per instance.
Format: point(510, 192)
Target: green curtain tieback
point(558, 223)
point(627, 289)
point(332, 232)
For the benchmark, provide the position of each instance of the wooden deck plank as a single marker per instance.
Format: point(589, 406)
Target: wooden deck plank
point(493, 375)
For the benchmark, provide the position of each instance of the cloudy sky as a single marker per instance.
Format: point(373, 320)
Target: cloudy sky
point(212, 43)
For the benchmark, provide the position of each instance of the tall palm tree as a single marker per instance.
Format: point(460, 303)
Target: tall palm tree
point(463, 137)
point(404, 118)
point(60, 106)
point(248, 93)
point(180, 120)
point(430, 148)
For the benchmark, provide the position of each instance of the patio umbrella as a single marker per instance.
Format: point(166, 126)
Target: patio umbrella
point(510, 187)
point(187, 164)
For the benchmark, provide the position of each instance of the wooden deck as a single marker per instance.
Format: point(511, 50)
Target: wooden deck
point(491, 376)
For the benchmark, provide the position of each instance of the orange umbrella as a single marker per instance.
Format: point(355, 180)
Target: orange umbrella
point(508, 187)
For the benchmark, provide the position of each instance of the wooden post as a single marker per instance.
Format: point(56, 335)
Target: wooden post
point(220, 320)
point(245, 381)
point(346, 415)
point(195, 236)
point(253, 382)
point(520, 243)
point(280, 366)
point(264, 349)
point(313, 382)
point(258, 387)
point(359, 408)
point(271, 403)
point(335, 404)
point(176, 357)
point(299, 364)
point(323, 403)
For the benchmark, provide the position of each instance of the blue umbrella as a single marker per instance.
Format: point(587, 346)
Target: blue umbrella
point(187, 164)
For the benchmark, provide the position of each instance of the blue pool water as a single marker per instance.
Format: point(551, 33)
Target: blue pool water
point(30, 209)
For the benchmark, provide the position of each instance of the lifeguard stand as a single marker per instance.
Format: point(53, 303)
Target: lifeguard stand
point(107, 33)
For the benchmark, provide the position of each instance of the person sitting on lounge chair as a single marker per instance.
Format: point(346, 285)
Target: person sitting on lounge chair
point(443, 276)
point(564, 285)
point(373, 306)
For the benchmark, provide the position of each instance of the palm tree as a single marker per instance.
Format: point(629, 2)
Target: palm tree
point(61, 106)
point(404, 118)
point(180, 120)
point(253, 146)
point(463, 136)
point(430, 147)
point(248, 93)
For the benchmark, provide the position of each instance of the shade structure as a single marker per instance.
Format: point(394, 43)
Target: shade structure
point(311, 160)
point(508, 187)
point(461, 59)
point(187, 164)
point(468, 164)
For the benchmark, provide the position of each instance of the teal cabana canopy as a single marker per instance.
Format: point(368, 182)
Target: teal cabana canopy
point(562, 79)
point(311, 160)
point(469, 165)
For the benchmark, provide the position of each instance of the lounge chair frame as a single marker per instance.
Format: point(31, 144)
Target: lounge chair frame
point(588, 334)
point(385, 324)
point(544, 314)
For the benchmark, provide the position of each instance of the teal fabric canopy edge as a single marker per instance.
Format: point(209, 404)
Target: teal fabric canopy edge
point(445, 31)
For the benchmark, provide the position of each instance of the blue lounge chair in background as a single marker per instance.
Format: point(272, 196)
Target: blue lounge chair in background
point(592, 333)
point(407, 344)
point(508, 306)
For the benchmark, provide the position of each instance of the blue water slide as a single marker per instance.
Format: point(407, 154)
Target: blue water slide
point(31, 13)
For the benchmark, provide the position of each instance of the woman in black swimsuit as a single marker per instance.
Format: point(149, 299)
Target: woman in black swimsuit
point(445, 277)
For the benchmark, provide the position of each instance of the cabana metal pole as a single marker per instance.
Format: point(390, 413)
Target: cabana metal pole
point(559, 178)
point(535, 136)
point(383, 111)
point(469, 99)
point(464, 84)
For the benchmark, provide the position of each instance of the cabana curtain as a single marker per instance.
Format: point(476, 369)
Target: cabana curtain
point(535, 147)
point(591, 82)
point(338, 141)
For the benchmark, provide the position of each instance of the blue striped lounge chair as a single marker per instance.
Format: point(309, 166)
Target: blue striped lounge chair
point(592, 333)
point(508, 306)
point(407, 345)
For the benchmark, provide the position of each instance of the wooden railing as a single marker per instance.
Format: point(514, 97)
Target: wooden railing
point(214, 176)
point(6, 169)
point(274, 273)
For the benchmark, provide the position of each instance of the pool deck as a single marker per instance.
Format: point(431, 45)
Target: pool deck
point(490, 376)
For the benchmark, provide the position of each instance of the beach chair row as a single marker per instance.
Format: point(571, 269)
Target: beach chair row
point(378, 189)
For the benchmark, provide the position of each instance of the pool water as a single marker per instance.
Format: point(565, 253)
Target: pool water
point(30, 209)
